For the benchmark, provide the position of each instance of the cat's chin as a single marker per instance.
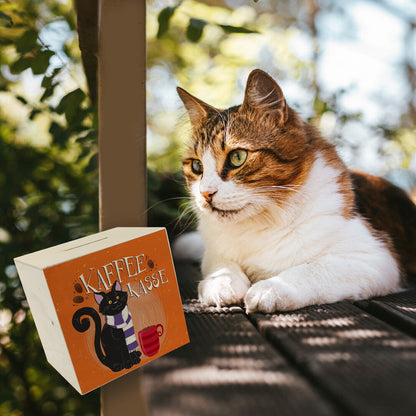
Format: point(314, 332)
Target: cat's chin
point(234, 215)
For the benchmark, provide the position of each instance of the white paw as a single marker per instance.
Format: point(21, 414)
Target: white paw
point(272, 295)
point(224, 287)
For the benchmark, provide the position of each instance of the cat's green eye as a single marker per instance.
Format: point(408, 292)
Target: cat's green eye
point(110, 302)
point(197, 166)
point(237, 157)
point(117, 297)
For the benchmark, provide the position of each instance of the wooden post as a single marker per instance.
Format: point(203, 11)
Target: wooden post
point(122, 150)
point(122, 113)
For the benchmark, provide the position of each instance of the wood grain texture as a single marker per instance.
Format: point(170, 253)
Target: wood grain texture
point(327, 359)
point(122, 148)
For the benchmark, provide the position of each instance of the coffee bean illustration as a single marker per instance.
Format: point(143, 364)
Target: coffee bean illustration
point(78, 287)
point(78, 299)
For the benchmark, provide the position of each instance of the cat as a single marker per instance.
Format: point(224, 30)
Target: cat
point(117, 336)
point(284, 222)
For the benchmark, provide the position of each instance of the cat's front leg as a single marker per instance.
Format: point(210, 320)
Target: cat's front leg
point(226, 285)
point(276, 294)
point(327, 280)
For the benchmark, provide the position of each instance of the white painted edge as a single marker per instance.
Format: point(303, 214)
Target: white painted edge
point(46, 320)
point(82, 246)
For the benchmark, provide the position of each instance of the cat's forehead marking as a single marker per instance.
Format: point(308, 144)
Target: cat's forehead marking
point(216, 130)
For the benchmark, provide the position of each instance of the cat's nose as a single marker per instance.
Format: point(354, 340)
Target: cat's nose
point(208, 195)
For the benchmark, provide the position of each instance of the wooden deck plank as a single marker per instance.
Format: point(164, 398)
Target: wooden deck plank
point(188, 276)
point(327, 359)
point(227, 369)
point(398, 309)
point(366, 366)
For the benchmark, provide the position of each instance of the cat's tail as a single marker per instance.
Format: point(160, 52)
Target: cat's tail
point(82, 325)
point(188, 247)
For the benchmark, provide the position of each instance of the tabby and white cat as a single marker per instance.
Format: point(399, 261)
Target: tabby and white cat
point(285, 223)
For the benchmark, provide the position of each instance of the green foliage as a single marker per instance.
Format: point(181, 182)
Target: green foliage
point(236, 29)
point(168, 205)
point(164, 18)
point(45, 199)
point(27, 42)
point(48, 195)
point(195, 26)
point(195, 29)
point(48, 175)
point(5, 20)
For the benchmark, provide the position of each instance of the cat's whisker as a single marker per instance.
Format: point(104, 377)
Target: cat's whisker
point(164, 201)
point(271, 190)
point(276, 190)
point(187, 210)
point(190, 216)
point(282, 186)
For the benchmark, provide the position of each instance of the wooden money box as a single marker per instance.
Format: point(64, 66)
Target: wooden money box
point(104, 304)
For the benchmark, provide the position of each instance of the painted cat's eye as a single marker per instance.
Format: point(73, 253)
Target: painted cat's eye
point(237, 157)
point(110, 302)
point(117, 297)
point(197, 167)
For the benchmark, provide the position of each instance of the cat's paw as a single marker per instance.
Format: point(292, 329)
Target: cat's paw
point(272, 295)
point(224, 287)
point(135, 357)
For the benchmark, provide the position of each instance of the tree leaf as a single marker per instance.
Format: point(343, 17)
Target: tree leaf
point(70, 105)
point(34, 113)
point(48, 79)
point(59, 134)
point(21, 99)
point(5, 20)
point(92, 164)
point(27, 41)
point(195, 29)
point(91, 135)
point(48, 92)
point(20, 65)
point(40, 61)
point(236, 29)
point(164, 19)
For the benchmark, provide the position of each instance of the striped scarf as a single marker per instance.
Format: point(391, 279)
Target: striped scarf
point(123, 321)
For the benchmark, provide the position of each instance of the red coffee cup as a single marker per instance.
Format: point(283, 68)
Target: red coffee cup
point(149, 339)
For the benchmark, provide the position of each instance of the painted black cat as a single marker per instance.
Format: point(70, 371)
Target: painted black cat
point(117, 337)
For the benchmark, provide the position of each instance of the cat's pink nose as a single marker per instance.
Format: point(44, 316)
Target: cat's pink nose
point(208, 195)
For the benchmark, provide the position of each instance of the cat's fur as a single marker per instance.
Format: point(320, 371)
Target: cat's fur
point(292, 226)
point(116, 355)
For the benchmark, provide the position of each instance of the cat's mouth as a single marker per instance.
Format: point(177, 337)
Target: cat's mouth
point(221, 213)
point(227, 213)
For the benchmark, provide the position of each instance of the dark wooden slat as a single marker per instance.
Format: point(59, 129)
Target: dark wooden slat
point(363, 364)
point(228, 369)
point(87, 27)
point(188, 276)
point(398, 309)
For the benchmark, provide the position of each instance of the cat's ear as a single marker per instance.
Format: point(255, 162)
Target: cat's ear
point(98, 297)
point(197, 109)
point(116, 286)
point(264, 94)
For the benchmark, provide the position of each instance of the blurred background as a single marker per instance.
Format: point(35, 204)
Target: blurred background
point(347, 67)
